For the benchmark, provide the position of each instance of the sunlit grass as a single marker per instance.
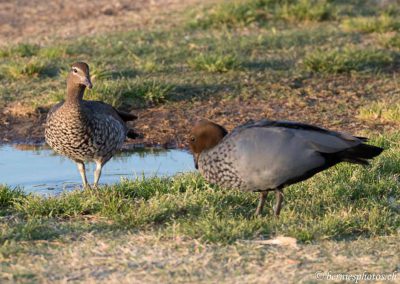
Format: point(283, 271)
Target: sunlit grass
point(33, 67)
point(244, 12)
point(381, 24)
point(382, 111)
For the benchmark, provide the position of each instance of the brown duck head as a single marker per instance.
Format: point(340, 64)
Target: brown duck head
point(204, 136)
point(78, 79)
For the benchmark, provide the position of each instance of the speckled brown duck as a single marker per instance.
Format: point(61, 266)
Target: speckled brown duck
point(269, 155)
point(85, 130)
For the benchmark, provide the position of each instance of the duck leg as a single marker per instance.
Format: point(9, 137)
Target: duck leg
point(261, 203)
point(278, 204)
point(97, 173)
point(82, 171)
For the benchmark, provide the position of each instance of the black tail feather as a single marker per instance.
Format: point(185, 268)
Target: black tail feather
point(360, 154)
point(132, 134)
point(364, 151)
point(356, 155)
point(126, 116)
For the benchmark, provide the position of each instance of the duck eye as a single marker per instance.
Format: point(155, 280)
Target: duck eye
point(192, 138)
point(75, 70)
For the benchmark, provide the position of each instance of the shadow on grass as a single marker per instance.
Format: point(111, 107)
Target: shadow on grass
point(50, 71)
point(47, 229)
point(274, 64)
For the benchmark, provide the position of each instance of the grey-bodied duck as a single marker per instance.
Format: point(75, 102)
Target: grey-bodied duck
point(269, 155)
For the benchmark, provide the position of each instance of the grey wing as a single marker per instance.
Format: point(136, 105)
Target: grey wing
point(270, 156)
point(297, 126)
point(106, 109)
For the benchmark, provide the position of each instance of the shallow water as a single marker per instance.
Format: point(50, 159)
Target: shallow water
point(38, 169)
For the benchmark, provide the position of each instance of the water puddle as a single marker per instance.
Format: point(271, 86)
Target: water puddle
point(37, 169)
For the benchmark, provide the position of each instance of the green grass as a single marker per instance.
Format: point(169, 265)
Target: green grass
point(8, 197)
point(242, 13)
point(364, 16)
point(348, 59)
point(293, 57)
point(381, 24)
point(159, 65)
point(33, 67)
point(214, 62)
point(227, 61)
point(393, 42)
point(20, 50)
point(133, 92)
point(345, 202)
point(307, 10)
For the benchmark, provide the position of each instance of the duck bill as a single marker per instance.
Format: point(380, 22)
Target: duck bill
point(196, 161)
point(88, 83)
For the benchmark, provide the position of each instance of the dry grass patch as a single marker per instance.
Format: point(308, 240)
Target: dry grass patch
point(122, 257)
point(382, 111)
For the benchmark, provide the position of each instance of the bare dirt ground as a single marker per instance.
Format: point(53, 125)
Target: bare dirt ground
point(38, 20)
point(167, 125)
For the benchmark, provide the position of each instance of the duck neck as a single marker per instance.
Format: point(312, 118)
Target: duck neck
point(203, 156)
point(75, 94)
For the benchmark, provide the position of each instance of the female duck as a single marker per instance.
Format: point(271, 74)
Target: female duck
point(86, 130)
